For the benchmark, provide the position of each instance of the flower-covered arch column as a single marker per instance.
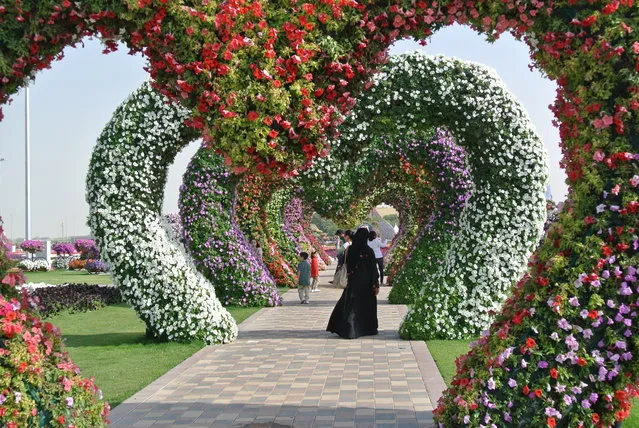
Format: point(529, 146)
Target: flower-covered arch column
point(254, 192)
point(125, 190)
point(219, 248)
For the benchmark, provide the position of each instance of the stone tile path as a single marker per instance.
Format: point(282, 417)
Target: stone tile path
point(285, 370)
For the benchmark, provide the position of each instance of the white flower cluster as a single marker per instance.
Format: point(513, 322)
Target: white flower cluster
point(504, 217)
point(31, 286)
point(37, 265)
point(125, 189)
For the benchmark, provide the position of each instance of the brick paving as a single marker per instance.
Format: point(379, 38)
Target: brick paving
point(285, 370)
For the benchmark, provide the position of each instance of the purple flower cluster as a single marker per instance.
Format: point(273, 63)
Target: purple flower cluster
point(96, 266)
point(32, 245)
point(64, 249)
point(87, 248)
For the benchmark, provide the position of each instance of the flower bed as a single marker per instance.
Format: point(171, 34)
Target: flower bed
point(52, 299)
point(34, 265)
point(96, 266)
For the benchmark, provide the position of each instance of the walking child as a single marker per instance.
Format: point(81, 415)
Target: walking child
point(315, 272)
point(304, 278)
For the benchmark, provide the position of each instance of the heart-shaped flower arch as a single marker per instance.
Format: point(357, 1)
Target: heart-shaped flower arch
point(503, 218)
point(248, 81)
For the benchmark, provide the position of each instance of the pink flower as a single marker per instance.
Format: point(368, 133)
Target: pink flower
point(615, 190)
point(604, 122)
point(599, 156)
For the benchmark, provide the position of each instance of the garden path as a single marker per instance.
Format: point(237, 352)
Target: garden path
point(285, 370)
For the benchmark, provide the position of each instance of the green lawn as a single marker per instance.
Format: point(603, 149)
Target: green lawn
point(72, 276)
point(445, 352)
point(110, 345)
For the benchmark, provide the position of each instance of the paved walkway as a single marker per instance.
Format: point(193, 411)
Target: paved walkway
point(285, 370)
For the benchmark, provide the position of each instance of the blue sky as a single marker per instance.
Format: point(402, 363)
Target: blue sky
point(71, 103)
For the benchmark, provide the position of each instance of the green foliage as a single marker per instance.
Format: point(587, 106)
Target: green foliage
point(392, 219)
point(327, 226)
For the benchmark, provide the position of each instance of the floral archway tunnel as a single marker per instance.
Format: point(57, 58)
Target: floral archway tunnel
point(414, 173)
point(266, 96)
point(491, 238)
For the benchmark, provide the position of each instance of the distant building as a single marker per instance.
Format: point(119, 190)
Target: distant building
point(548, 192)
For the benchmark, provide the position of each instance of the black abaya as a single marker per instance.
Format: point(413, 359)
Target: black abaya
point(355, 313)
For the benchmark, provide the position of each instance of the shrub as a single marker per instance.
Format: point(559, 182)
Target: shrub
point(61, 263)
point(72, 297)
point(41, 385)
point(41, 265)
point(96, 266)
point(26, 264)
point(77, 264)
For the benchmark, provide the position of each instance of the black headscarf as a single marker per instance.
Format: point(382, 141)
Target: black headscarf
point(357, 249)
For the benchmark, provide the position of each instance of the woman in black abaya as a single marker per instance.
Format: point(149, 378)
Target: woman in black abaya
point(355, 313)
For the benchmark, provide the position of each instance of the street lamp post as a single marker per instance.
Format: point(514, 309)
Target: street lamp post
point(27, 166)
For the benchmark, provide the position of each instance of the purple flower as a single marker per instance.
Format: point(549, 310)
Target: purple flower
point(564, 324)
point(512, 383)
point(491, 383)
point(572, 343)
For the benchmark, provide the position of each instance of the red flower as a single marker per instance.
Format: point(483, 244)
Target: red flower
point(554, 373)
point(581, 362)
point(589, 220)
point(252, 115)
point(538, 393)
point(530, 342)
point(525, 390)
point(610, 8)
point(551, 422)
point(595, 417)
